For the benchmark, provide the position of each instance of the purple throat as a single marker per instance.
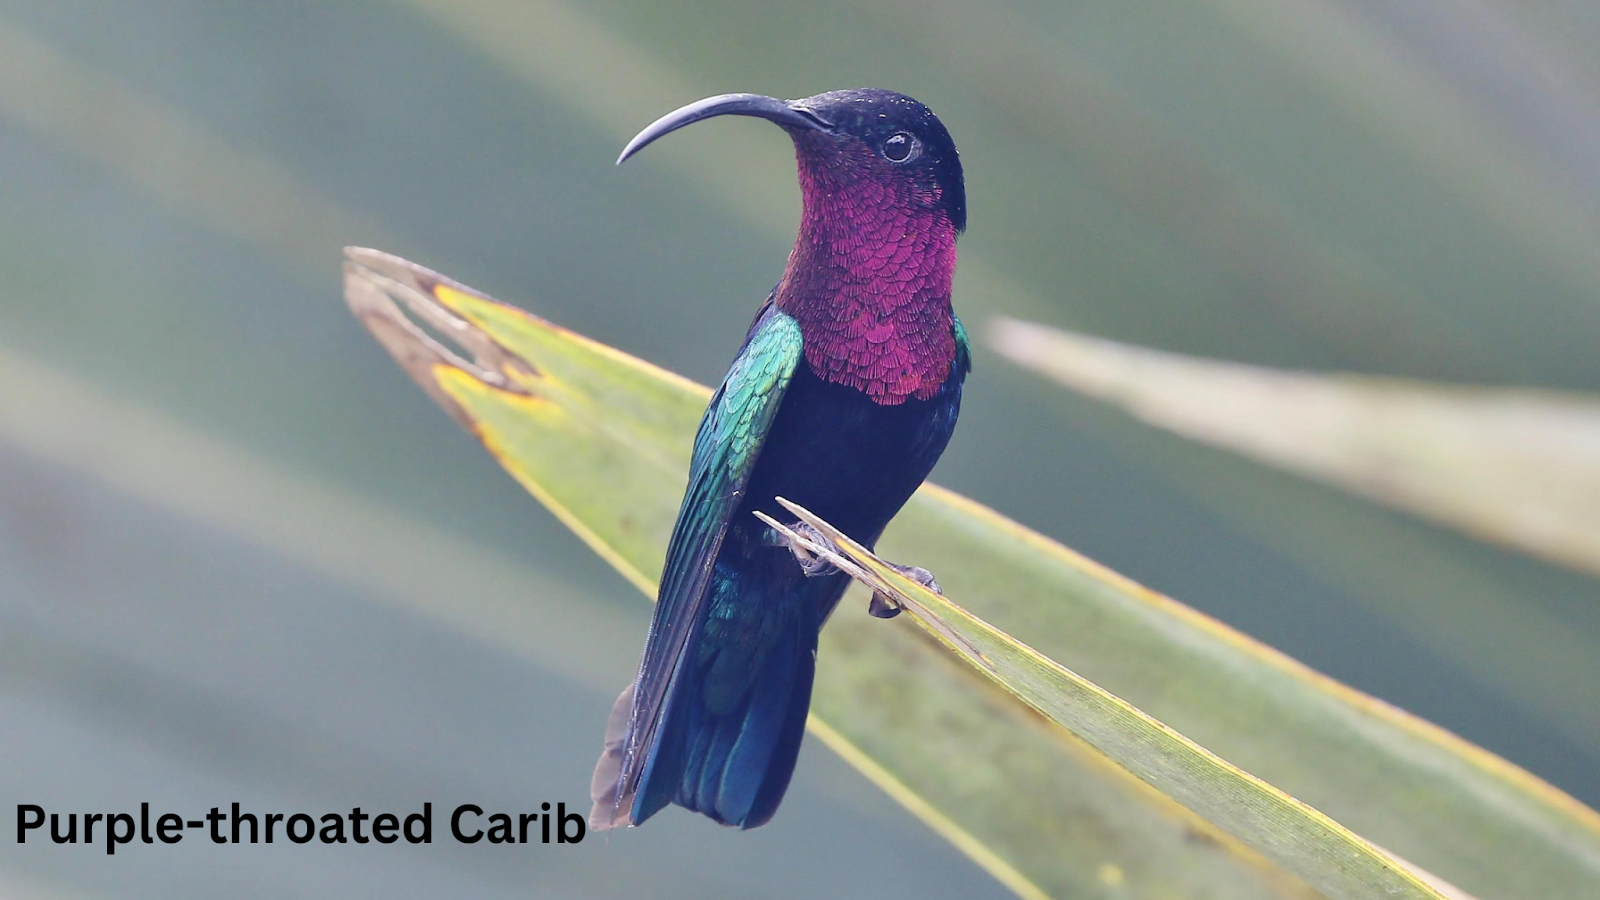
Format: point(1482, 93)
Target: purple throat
point(869, 282)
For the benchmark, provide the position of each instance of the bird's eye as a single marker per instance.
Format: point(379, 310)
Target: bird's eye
point(900, 147)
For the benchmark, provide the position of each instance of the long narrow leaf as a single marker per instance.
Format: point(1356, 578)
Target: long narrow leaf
point(1283, 829)
point(603, 439)
point(1518, 467)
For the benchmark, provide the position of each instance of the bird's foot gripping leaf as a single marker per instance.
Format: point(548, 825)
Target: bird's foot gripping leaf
point(796, 536)
point(885, 607)
point(812, 549)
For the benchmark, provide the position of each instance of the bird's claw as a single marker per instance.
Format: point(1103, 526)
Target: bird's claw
point(882, 605)
point(885, 607)
point(810, 563)
point(920, 576)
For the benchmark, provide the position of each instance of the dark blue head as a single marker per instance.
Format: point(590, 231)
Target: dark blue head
point(869, 133)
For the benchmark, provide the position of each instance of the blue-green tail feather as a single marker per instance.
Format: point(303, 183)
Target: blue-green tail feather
point(734, 721)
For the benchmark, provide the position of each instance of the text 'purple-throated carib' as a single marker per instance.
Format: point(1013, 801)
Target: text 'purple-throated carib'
point(842, 398)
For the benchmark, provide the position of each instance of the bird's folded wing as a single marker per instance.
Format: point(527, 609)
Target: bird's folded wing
point(729, 441)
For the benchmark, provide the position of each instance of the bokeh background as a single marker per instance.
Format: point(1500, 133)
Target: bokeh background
point(243, 558)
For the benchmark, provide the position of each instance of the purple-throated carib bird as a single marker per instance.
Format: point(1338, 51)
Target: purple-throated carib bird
point(842, 398)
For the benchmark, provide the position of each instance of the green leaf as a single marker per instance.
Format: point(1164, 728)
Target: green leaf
point(1517, 467)
point(603, 439)
point(1288, 832)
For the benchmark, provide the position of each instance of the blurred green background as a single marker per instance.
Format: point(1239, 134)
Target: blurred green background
point(242, 556)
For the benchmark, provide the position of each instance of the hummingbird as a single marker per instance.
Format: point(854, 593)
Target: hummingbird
point(841, 399)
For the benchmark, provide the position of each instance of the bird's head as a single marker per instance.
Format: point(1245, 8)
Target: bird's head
point(870, 276)
point(865, 140)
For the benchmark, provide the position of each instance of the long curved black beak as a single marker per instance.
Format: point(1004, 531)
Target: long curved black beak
point(782, 112)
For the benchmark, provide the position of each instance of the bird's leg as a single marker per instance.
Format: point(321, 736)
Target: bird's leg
point(882, 606)
point(812, 565)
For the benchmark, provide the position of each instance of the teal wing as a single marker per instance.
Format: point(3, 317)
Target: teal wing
point(735, 426)
point(963, 361)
